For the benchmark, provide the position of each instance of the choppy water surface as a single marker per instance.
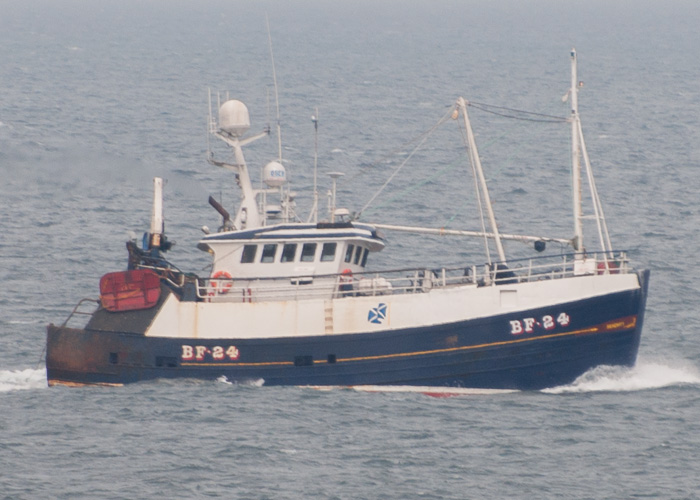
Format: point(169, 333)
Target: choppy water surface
point(97, 98)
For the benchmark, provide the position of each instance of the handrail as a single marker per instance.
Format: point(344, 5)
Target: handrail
point(394, 281)
point(408, 280)
point(77, 311)
point(167, 273)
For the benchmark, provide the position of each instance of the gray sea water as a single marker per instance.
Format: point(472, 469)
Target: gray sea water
point(96, 98)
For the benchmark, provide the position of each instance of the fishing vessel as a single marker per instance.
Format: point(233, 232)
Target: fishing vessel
point(292, 301)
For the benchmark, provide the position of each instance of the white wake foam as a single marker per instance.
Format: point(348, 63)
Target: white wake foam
point(252, 382)
point(431, 391)
point(17, 380)
point(644, 375)
point(434, 391)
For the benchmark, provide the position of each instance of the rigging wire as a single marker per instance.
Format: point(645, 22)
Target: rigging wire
point(447, 168)
point(395, 152)
point(502, 111)
point(541, 117)
point(423, 137)
point(495, 170)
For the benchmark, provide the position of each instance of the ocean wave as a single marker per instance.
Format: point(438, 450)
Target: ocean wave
point(642, 376)
point(17, 380)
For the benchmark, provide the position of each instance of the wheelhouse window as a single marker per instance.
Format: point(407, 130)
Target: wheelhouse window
point(328, 252)
point(289, 251)
point(348, 252)
point(308, 252)
point(248, 254)
point(364, 257)
point(358, 253)
point(268, 253)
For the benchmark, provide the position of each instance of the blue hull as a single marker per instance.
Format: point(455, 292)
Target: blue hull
point(481, 353)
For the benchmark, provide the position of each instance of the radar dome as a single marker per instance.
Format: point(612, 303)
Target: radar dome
point(233, 118)
point(274, 174)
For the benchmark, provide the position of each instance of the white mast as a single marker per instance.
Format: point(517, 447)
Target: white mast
point(233, 123)
point(313, 216)
point(248, 215)
point(575, 157)
point(476, 162)
point(603, 234)
point(332, 201)
point(157, 213)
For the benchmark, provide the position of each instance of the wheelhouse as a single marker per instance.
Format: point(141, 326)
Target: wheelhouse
point(293, 250)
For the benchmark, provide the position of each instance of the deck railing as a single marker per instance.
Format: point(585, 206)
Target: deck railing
point(409, 280)
point(79, 310)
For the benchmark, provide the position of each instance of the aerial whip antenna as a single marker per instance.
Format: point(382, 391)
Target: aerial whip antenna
point(286, 197)
point(277, 99)
point(210, 128)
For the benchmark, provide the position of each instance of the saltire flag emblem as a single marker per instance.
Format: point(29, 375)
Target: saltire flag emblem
point(377, 315)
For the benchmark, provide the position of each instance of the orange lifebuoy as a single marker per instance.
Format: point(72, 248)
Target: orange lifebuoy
point(221, 282)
